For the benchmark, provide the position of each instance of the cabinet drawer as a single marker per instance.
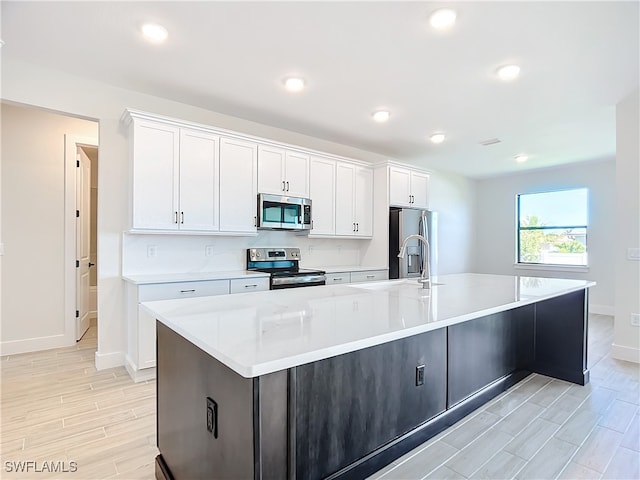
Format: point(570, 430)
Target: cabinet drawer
point(369, 276)
point(241, 285)
point(338, 278)
point(168, 291)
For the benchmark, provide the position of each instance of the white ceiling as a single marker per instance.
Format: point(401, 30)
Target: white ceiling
point(578, 59)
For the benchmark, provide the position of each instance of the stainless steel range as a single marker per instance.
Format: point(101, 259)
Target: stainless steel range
point(283, 265)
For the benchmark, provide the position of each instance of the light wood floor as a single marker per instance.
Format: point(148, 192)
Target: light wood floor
point(57, 408)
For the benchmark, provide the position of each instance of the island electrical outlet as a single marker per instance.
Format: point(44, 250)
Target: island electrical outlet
point(419, 375)
point(212, 417)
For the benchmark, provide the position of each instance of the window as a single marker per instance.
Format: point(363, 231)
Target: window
point(552, 227)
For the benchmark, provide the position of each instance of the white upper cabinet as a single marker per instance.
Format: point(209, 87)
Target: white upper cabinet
point(199, 167)
point(155, 150)
point(354, 200)
point(175, 178)
point(283, 172)
point(363, 214)
point(238, 186)
point(408, 188)
point(322, 190)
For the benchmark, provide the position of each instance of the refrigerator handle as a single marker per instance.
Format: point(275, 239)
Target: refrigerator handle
point(422, 230)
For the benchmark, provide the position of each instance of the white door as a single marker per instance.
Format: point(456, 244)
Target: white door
point(83, 216)
point(198, 181)
point(156, 157)
point(364, 202)
point(297, 174)
point(271, 170)
point(322, 189)
point(345, 181)
point(420, 189)
point(399, 187)
point(238, 185)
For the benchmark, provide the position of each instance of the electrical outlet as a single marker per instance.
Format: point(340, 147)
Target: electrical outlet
point(635, 319)
point(152, 251)
point(208, 251)
point(419, 375)
point(212, 417)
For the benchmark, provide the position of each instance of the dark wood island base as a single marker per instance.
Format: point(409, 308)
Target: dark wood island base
point(350, 415)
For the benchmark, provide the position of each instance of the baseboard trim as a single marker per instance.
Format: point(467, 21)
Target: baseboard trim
point(602, 309)
point(629, 354)
point(139, 375)
point(109, 360)
point(15, 347)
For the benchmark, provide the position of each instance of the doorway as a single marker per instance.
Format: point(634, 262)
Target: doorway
point(81, 169)
point(86, 239)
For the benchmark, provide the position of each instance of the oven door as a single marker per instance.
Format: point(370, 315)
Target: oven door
point(279, 283)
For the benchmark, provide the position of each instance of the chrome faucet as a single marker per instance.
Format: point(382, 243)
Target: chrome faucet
point(425, 277)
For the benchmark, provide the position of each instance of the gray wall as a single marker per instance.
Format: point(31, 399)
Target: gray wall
point(495, 250)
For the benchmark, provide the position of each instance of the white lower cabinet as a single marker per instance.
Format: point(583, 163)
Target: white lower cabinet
point(244, 285)
point(338, 278)
point(141, 355)
point(369, 276)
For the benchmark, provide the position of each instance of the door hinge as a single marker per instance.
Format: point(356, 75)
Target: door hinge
point(77, 213)
point(77, 163)
point(77, 263)
point(77, 313)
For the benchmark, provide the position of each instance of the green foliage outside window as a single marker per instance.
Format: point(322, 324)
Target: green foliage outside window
point(533, 242)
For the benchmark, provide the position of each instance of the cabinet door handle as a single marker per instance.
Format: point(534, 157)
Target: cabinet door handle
point(371, 276)
point(353, 228)
point(357, 227)
point(283, 185)
point(188, 291)
point(175, 217)
point(181, 217)
point(251, 286)
point(255, 221)
point(337, 279)
point(287, 186)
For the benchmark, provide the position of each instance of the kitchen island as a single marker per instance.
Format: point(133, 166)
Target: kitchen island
point(338, 381)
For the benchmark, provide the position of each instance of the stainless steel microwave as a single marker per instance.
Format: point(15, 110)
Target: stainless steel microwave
point(277, 212)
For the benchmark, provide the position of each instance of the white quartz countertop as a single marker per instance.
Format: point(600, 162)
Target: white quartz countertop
point(191, 277)
point(263, 332)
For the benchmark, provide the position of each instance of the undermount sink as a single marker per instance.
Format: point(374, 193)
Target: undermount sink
point(403, 284)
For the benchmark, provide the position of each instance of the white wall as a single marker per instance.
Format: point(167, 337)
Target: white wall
point(495, 250)
point(89, 99)
point(453, 197)
point(33, 172)
point(626, 342)
point(186, 253)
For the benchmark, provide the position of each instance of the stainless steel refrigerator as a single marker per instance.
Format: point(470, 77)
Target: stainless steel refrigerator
point(402, 223)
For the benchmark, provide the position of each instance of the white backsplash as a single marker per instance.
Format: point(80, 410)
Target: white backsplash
point(203, 253)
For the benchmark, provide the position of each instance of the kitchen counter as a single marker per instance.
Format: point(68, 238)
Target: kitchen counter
point(191, 277)
point(338, 381)
point(259, 333)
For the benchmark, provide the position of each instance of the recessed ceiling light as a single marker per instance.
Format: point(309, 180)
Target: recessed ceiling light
point(521, 158)
point(154, 32)
point(508, 72)
point(381, 116)
point(443, 18)
point(437, 137)
point(294, 84)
